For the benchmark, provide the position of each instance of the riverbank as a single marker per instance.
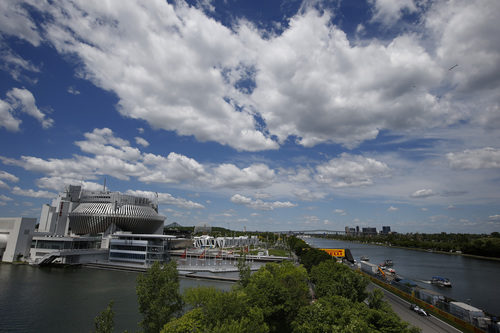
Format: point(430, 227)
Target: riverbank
point(417, 249)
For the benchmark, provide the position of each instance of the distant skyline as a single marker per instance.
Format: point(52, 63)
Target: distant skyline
point(269, 115)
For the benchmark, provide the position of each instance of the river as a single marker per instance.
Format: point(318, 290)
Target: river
point(45, 299)
point(474, 280)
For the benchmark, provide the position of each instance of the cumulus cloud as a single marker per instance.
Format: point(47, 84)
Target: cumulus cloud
point(141, 141)
point(254, 176)
point(167, 199)
point(424, 193)
point(475, 159)
point(8, 176)
point(260, 204)
point(5, 198)
point(342, 92)
point(16, 65)
point(32, 193)
point(389, 12)
point(340, 212)
point(59, 183)
point(15, 21)
point(350, 170)
point(20, 100)
point(392, 209)
point(308, 195)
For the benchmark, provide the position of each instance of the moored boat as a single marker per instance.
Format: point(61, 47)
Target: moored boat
point(365, 258)
point(388, 263)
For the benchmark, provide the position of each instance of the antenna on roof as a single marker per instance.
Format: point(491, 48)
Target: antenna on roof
point(104, 187)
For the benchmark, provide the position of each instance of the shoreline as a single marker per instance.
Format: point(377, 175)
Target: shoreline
point(420, 249)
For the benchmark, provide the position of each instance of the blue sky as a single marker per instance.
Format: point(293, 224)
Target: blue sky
point(264, 115)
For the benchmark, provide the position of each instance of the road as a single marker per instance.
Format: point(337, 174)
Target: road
point(402, 308)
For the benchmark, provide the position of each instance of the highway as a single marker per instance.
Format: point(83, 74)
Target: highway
point(429, 324)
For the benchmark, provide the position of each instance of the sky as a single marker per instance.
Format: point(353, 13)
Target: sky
point(258, 115)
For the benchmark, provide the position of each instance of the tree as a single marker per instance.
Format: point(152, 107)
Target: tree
point(279, 290)
point(104, 322)
point(158, 295)
point(218, 311)
point(331, 278)
point(244, 270)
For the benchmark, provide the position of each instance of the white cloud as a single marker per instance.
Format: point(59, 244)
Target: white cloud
point(230, 176)
point(259, 204)
point(32, 193)
point(340, 212)
point(175, 80)
point(7, 120)
point(172, 169)
point(23, 100)
point(4, 184)
point(494, 217)
point(20, 100)
point(8, 176)
point(392, 209)
point(308, 195)
point(167, 199)
point(59, 183)
point(72, 90)
point(5, 198)
point(424, 193)
point(475, 159)
point(312, 83)
point(388, 12)
point(141, 141)
point(15, 20)
point(423, 209)
point(350, 170)
point(15, 65)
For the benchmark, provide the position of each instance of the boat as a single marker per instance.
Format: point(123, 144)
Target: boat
point(388, 263)
point(365, 258)
point(441, 281)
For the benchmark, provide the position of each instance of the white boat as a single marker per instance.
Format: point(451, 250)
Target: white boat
point(441, 281)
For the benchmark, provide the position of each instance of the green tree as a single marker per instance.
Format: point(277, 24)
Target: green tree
point(279, 290)
point(331, 278)
point(339, 314)
point(218, 311)
point(158, 295)
point(104, 322)
point(244, 270)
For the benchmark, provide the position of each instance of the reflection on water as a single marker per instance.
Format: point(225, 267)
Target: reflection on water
point(48, 299)
point(473, 280)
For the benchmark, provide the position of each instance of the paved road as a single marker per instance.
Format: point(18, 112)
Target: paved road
point(402, 308)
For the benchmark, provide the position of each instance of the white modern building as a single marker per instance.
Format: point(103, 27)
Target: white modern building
point(80, 212)
point(15, 237)
point(77, 226)
point(140, 249)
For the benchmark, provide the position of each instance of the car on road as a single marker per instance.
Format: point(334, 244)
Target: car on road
point(419, 310)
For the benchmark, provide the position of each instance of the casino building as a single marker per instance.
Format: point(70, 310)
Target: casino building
point(79, 225)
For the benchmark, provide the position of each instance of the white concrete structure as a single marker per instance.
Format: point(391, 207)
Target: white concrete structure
point(15, 237)
point(81, 212)
point(47, 249)
point(224, 242)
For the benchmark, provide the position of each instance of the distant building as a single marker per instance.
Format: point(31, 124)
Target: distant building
point(369, 231)
point(15, 237)
point(350, 231)
point(357, 230)
point(386, 230)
